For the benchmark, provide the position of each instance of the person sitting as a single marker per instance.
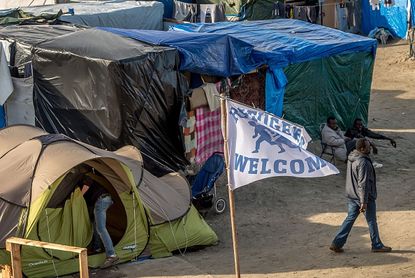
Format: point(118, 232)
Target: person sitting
point(332, 136)
point(98, 198)
point(360, 131)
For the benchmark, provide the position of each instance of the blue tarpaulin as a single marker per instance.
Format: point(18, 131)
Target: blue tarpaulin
point(394, 18)
point(281, 42)
point(412, 11)
point(233, 48)
point(2, 119)
point(210, 54)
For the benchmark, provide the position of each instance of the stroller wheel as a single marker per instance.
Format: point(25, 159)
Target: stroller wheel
point(220, 205)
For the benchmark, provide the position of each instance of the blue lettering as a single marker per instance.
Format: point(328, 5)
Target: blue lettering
point(277, 168)
point(252, 113)
point(286, 128)
point(253, 166)
point(266, 117)
point(296, 133)
point(259, 116)
point(314, 165)
point(274, 123)
point(297, 163)
point(264, 162)
point(240, 162)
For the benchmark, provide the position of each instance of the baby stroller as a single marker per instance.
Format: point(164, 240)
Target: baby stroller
point(204, 182)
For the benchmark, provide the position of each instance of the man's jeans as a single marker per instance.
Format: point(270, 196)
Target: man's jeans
point(100, 213)
point(354, 207)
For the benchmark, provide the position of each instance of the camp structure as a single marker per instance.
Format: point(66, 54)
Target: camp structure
point(10, 4)
point(311, 72)
point(110, 91)
point(147, 15)
point(40, 200)
point(16, 78)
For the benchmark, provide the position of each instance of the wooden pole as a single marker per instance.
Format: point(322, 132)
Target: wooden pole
point(14, 250)
point(231, 194)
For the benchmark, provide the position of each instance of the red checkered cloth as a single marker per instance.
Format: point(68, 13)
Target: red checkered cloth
point(208, 133)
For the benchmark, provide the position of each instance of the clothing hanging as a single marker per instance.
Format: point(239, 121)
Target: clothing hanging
point(208, 133)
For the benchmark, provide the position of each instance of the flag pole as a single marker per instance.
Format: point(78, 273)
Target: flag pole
point(231, 194)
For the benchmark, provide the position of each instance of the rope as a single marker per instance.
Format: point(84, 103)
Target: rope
point(50, 240)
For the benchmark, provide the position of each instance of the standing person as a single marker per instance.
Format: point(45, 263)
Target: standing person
point(332, 136)
point(98, 198)
point(361, 193)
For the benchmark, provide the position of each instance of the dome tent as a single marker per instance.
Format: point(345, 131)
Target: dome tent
point(38, 201)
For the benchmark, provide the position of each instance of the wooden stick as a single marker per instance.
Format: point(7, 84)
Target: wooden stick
point(230, 191)
point(14, 250)
point(83, 264)
point(6, 271)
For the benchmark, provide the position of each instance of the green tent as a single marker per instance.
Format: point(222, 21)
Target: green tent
point(40, 200)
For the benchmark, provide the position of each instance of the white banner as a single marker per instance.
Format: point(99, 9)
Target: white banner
point(262, 145)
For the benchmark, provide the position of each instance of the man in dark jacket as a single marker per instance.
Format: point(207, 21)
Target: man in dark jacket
point(361, 193)
point(360, 131)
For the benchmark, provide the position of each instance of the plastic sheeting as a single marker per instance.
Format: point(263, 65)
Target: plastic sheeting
point(7, 4)
point(19, 106)
point(118, 14)
point(393, 18)
point(338, 86)
point(2, 119)
point(213, 54)
point(281, 42)
point(110, 91)
point(23, 37)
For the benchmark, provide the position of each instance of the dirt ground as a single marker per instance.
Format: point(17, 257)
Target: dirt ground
point(285, 225)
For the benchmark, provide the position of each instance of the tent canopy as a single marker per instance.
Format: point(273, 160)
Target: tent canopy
point(40, 200)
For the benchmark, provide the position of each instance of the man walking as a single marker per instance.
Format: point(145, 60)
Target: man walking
point(361, 193)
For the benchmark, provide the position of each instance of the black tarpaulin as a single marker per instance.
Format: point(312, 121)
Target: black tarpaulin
point(110, 91)
point(24, 37)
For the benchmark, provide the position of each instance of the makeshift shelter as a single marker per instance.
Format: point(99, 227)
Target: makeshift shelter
point(40, 200)
point(395, 17)
point(146, 15)
point(122, 91)
point(16, 79)
point(8, 4)
point(313, 71)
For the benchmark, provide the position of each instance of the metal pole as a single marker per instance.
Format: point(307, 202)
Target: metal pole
point(230, 191)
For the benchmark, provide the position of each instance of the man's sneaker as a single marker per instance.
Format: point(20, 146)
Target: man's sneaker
point(384, 249)
point(110, 261)
point(377, 164)
point(336, 249)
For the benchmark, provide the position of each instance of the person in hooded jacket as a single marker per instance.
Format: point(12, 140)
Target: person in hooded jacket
point(361, 194)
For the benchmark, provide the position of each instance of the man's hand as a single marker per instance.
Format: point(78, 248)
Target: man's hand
point(347, 139)
point(393, 143)
point(363, 207)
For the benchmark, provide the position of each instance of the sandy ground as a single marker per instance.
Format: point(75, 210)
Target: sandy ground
point(285, 225)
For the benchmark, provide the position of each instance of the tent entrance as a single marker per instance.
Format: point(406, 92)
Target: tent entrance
point(68, 194)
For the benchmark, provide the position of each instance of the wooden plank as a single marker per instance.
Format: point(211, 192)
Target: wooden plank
point(6, 271)
point(14, 250)
point(83, 264)
point(45, 245)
